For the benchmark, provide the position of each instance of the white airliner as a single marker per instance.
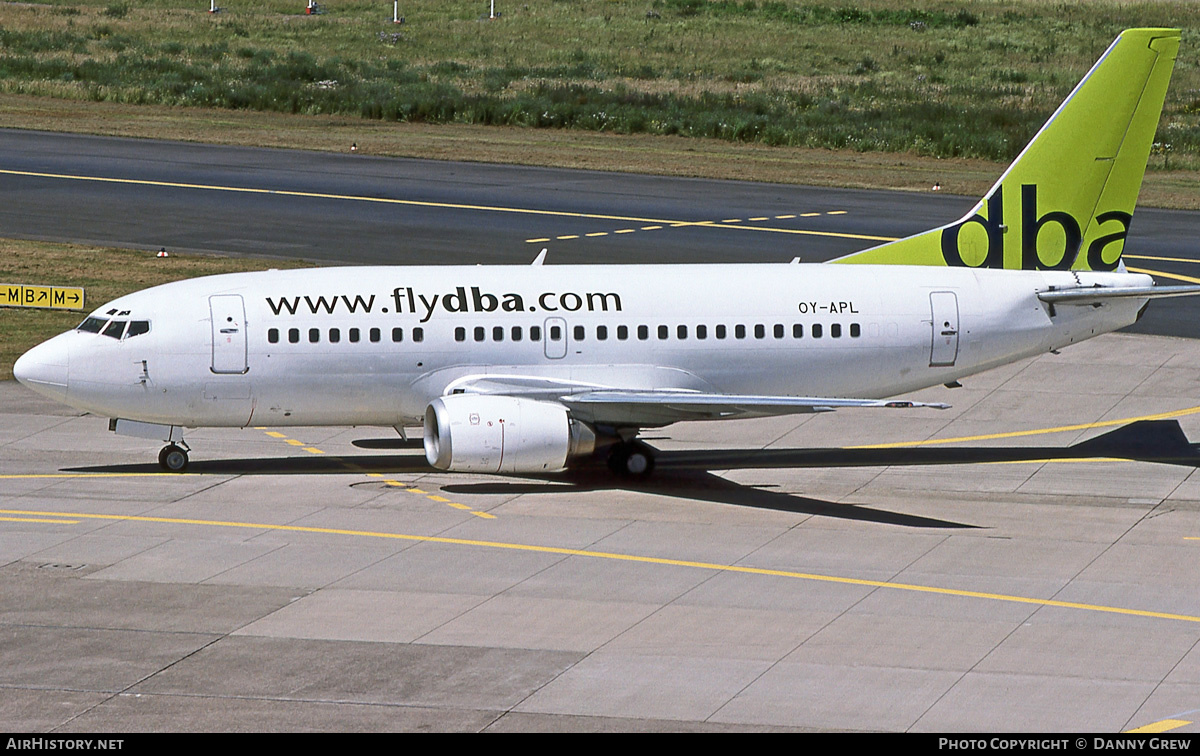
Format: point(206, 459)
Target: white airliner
point(528, 369)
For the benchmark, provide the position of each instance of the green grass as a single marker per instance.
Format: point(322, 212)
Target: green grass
point(104, 273)
point(935, 78)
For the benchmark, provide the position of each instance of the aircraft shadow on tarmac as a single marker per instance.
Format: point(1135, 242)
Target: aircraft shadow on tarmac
point(686, 474)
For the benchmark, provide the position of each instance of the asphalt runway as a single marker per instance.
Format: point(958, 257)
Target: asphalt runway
point(1012, 572)
point(356, 209)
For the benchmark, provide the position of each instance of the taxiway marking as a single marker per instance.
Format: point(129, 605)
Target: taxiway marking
point(606, 555)
point(351, 467)
point(725, 223)
point(1034, 432)
point(1163, 725)
point(409, 203)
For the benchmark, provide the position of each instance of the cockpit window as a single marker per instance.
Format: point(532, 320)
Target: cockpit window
point(91, 325)
point(137, 328)
point(115, 329)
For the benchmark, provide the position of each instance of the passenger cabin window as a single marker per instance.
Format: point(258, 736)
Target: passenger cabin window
point(855, 331)
point(397, 335)
point(835, 330)
point(681, 332)
point(516, 333)
point(797, 331)
point(535, 333)
point(480, 333)
point(314, 335)
point(498, 333)
point(622, 332)
point(643, 332)
point(720, 332)
point(375, 335)
point(739, 331)
point(335, 335)
point(293, 335)
point(816, 330)
point(663, 332)
point(701, 332)
point(418, 335)
point(601, 333)
point(759, 331)
point(353, 335)
point(579, 333)
point(273, 335)
point(778, 331)
point(460, 334)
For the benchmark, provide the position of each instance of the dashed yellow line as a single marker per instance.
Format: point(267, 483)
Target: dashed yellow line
point(635, 558)
point(394, 483)
point(731, 223)
point(393, 201)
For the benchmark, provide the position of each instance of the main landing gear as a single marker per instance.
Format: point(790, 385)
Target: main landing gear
point(632, 459)
point(174, 457)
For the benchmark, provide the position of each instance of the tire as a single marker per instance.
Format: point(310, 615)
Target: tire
point(631, 460)
point(173, 458)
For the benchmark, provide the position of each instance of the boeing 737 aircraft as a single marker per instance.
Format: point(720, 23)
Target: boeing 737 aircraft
point(528, 369)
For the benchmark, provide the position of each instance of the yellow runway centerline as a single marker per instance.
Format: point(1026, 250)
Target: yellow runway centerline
point(685, 563)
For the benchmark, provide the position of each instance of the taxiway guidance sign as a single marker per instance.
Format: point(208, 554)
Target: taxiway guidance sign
point(26, 295)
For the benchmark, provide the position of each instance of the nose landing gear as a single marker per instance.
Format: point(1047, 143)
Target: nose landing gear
point(173, 457)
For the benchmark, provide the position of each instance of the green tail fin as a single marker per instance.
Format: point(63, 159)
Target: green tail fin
point(1066, 201)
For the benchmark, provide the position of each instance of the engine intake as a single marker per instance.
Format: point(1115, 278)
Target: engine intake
point(504, 434)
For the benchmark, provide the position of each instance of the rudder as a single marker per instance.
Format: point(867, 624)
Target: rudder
point(1066, 202)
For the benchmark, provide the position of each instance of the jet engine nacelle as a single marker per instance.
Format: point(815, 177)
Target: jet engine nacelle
point(482, 433)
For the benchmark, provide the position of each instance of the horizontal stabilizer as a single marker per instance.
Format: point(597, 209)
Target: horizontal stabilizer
point(1097, 294)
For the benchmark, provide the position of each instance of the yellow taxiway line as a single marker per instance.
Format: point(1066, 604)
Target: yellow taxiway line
point(607, 555)
point(417, 203)
point(1034, 432)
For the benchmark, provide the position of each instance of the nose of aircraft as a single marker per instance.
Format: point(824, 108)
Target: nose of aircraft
point(44, 368)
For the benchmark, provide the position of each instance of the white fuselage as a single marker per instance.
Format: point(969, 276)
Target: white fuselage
point(374, 345)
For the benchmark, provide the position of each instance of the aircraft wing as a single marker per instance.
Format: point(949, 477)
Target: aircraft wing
point(606, 405)
point(649, 408)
